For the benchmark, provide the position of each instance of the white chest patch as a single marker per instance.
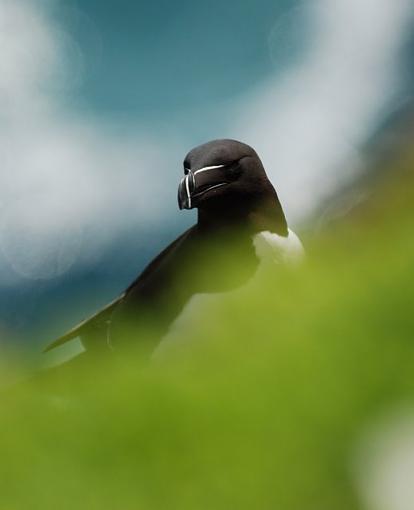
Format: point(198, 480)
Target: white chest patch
point(278, 249)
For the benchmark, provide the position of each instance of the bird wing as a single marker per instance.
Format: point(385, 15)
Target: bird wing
point(104, 314)
point(101, 316)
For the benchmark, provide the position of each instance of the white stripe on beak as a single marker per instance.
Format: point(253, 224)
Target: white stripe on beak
point(187, 187)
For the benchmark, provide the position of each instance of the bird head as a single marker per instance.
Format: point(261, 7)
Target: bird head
point(225, 177)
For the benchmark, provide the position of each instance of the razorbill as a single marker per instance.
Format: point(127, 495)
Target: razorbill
point(239, 217)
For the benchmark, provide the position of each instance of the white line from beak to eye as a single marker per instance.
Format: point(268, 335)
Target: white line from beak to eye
point(188, 192)
point(208, 168)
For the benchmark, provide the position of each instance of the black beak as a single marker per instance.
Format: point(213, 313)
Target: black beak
point(195, 184)
point(185, 190)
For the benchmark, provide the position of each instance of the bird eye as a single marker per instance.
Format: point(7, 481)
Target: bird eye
point(234, 169)
point(186, 171)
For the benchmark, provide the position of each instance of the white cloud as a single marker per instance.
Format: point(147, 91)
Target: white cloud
point(60, 174)
point(309, 124)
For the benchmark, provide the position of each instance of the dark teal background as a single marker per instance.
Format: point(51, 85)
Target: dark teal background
point(156, 61)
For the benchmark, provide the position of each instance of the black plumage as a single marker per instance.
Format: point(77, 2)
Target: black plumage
point(225, 180)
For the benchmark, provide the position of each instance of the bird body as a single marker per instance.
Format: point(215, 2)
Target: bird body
point(239, 218)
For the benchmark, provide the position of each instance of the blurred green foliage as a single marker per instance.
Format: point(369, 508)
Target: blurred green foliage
point(261, 406)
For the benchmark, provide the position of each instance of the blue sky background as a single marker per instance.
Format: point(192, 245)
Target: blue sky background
point(102, 99)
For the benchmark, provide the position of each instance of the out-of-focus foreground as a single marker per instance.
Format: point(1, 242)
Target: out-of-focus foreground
point(295, 393)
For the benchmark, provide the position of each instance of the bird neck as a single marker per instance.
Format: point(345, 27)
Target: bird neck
point(259, 215)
